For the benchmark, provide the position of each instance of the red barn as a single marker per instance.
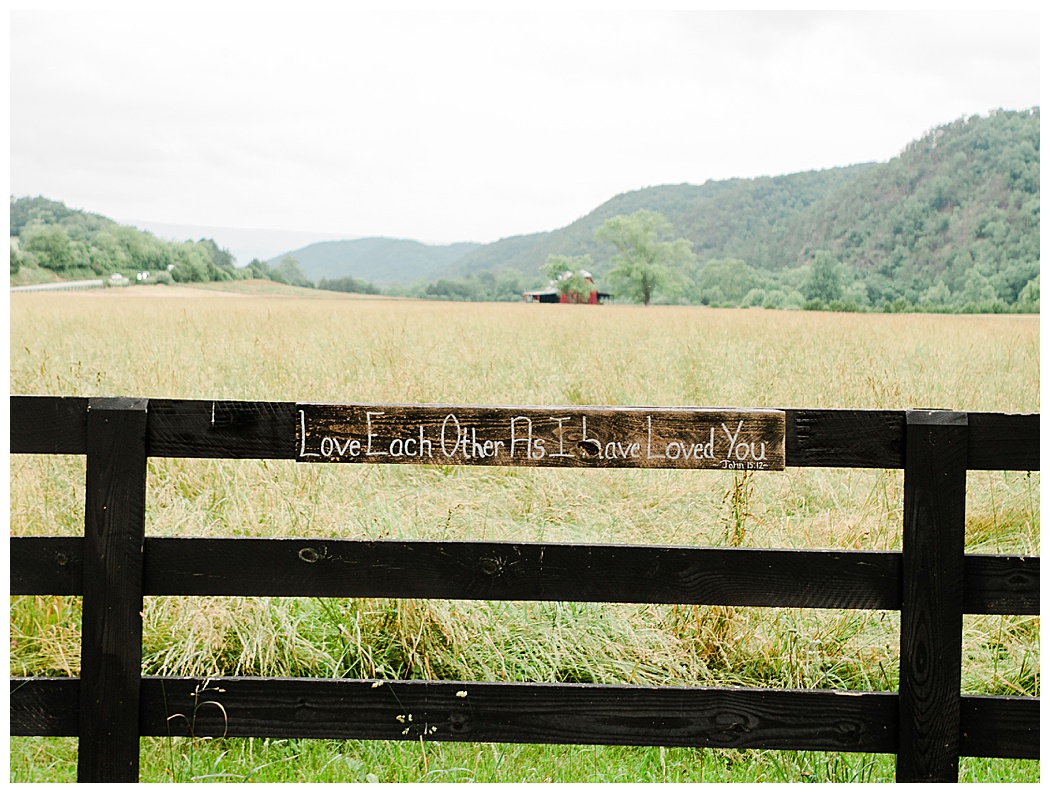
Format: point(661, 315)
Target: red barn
point(551, 294)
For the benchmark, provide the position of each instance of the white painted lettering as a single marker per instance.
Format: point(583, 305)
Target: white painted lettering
point(444, 446)
point(561, 439)
point(649, 443)
point(326, 446)
point(538, 452)
point(368, 422)
point(302, 432)
point(515, 439)
point(732, 436)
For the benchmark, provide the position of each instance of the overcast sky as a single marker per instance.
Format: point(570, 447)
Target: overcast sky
point(460, 125)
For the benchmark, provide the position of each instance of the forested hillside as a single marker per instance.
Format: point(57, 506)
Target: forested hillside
point(960, 206)
point(50, 241)
point(951, 224)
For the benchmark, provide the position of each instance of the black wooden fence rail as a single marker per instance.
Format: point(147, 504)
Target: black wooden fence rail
point(928, 724)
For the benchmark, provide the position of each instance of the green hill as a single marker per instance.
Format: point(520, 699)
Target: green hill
point(962, 199)
point(377, 259)
point(951, 223)
point(731, 218)
point(51, 242)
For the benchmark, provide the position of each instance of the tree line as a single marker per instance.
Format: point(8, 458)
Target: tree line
point(50, 241)
point(950, 225)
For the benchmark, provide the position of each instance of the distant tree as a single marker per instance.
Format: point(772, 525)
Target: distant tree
point(220, 257)
point(122, 248)
point(348, 284)
point(643, 262)
point(29, 211)
point(938, 294)
point(452, 289)
point(733, 279)
point(569, 274)
point(257, 268)
point(16, 257)
point(754, 298)
point(977, 291)
point(284, 272)
point(288, 270)
point(50, 245)
point(192, 263)
point(775, 298)
point(825, 278)
point(1028, 299)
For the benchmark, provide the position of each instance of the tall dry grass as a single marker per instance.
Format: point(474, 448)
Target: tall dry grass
point(359, 350)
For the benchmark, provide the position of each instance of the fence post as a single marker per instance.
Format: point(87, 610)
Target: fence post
point(932, 597)
point(111, 637)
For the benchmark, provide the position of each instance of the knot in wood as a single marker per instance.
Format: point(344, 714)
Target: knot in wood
point(310, 555)
point(589, 447)
point(457, 721)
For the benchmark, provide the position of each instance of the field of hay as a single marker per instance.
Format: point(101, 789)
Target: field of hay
point(139, 342)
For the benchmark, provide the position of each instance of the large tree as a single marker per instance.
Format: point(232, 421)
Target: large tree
point(825, 278)
point(645, 260)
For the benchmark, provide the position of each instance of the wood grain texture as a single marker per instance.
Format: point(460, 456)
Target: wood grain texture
point(845, 438)
point(931, 581)
point(1000, 584)
point(46, 565)
point(991, 726)
point(453, 570)
point(523, 713)
point(999, 727)
point(221, 429)
point(45, 706)
point(932, 604)
point(1003, 442)
point(48, 425)
point(562, 437)
point(111, 634)
point(523, 571)
point(260, 430)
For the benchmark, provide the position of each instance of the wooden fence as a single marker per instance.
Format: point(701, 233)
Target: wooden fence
point(927, 724)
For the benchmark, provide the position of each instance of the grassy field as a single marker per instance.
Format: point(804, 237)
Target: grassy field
point(169, 342)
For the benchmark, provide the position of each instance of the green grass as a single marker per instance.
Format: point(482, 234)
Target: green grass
point(269, 760)
point(139, 343)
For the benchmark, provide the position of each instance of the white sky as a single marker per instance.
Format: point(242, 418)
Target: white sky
point(461, 125)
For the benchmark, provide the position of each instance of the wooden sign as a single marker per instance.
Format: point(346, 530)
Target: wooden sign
point(581, 437)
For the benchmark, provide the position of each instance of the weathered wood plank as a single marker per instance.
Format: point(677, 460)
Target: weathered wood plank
point(1000, 727)
point(46, 565)
point(259, 430)
point(1003, 442)
point(45, 706)
point(48, 425)
point(991, 726)
point(570, 437)
point(932, 604)
point(221, 429)
point(1000, 584)
point(111, 633)
point(523, 713)
point(450, 570)
point(523, 571)
point(845, 438)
